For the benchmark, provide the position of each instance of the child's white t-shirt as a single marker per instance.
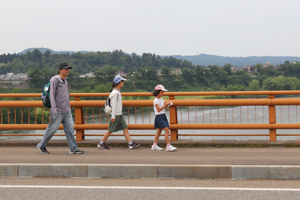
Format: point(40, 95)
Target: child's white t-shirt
point(116, 103)
point(161, 103)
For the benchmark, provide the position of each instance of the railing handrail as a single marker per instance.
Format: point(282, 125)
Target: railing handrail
point(223, 93)
point(149, 103)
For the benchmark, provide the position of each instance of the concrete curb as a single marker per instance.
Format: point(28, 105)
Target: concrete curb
point(286, 172)
point(148, 143)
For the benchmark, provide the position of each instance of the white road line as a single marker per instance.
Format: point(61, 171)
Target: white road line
point(148, 188)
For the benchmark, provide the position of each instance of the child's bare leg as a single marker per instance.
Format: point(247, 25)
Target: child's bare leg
point(158, 132)
point(106, 135)
point(167, 135)
point(126, 134)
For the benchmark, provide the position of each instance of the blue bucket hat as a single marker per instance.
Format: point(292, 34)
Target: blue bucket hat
point(118, 79)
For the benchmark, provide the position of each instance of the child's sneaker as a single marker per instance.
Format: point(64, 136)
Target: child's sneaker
point(156, 148)
point(171, 148)
point(103, 146)
point(134, 145)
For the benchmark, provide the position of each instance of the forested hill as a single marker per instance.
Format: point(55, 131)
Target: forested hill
point(206, 60)
point(145, 71)
point(43, 50)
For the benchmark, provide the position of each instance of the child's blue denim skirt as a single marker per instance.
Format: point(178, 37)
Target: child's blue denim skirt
point(161, 121)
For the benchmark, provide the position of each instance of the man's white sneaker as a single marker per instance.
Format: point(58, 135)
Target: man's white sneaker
point(171, 148)
point(156, 148)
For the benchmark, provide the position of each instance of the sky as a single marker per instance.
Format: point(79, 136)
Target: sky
point(163, 27)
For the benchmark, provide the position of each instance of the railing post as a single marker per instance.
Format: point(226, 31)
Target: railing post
point(173, 120)
point(79, 119)
point(272, 118)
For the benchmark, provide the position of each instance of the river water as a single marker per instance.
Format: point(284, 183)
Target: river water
point(206, 115)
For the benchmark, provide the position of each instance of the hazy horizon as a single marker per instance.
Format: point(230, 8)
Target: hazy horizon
point(230, 28)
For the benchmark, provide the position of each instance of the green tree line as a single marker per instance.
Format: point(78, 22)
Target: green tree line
point(142, 75)
point(142, 72)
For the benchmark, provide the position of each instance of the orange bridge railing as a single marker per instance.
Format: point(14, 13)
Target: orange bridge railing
point(80, 125)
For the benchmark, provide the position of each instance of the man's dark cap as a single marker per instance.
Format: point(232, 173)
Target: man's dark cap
point(63, 65)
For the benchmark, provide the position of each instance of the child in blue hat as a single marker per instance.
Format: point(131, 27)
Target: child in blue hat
point(117, 121)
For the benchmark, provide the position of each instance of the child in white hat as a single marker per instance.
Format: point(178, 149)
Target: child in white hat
point(161, 121)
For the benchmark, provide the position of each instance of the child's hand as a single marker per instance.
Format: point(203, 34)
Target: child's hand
point(112, 120)
point(168, 103)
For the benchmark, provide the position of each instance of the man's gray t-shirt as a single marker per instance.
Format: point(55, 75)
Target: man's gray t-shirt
point(59, 97)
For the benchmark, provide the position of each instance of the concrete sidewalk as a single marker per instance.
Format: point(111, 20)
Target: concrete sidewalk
point(273, 161)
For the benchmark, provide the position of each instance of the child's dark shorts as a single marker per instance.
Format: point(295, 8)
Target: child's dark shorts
point(161, 121)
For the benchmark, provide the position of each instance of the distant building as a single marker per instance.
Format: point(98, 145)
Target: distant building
point(159, 72)
point(121, 73)
point(88, 75)
point(233, 69)
point(267, 64)
point(14, 77)
point(248, 68)
point(22, 76)
point(176, 71)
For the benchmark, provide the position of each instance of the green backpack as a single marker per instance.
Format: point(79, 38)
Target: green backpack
point(46, 95)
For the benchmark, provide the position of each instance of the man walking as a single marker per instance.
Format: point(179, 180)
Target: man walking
point(60, 111)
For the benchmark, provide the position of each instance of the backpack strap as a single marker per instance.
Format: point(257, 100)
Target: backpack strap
point(117, 95)
point(57, 84)
point(57, 87)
